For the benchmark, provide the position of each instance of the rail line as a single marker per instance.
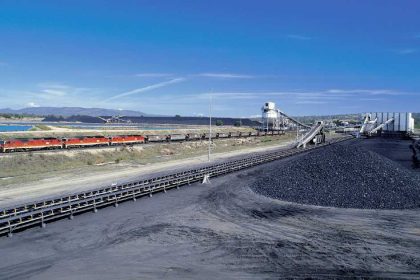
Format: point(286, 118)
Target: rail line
point(157, 139)
point(38, 213)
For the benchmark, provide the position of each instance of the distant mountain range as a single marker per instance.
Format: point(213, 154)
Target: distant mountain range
point(72, 111)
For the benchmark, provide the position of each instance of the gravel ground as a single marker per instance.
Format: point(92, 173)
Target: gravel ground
point(219, 231)
point(342, 175)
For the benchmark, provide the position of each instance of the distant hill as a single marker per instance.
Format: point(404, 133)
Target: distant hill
point(72, 111)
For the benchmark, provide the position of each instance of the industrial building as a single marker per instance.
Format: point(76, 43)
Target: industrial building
point(387, 123)
point(274, 119)
point(270, 119)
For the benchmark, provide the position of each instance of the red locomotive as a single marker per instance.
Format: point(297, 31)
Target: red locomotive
point(126, 139)
point(85, 141)
point(30, 144)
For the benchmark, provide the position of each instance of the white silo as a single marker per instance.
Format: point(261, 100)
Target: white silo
point(270, 116)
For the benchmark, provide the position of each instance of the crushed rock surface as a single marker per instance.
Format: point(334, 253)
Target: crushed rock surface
point(346, 176)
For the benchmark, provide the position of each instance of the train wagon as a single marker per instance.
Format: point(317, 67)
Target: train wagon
point(193, 136)
point(30, 144)
point(222, 135)
point(126, 139)
point(235, 134)
point(177, 137)
point(156, 138)
point(86, 141)
point(205, 136)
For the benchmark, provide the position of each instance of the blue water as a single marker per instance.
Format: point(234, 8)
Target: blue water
point(15, 127)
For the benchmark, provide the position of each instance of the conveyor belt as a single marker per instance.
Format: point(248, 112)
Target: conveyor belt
point(38, 213)
point(310, 135)
point(293, 120)
point(380, 126)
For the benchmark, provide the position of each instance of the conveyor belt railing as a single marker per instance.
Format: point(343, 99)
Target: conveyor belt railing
point(37, 213)
point(306, 138)
point(293, 119)
point(381, 126)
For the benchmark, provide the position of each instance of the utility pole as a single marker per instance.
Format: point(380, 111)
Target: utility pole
point(210, 127)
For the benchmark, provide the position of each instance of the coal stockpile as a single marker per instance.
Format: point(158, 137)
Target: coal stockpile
point(341, 176)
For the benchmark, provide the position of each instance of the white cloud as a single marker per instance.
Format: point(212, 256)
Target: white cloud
point(53, 85)
point(225, 75)
point(32, 104)
point(303, 96)
point(54, 92)
point(216, 75)
point(153, 75)
point(298, 37)
point(365, 91)
point(258, 94)
point(406, 51)
point(371, 99)
point(145, 89)
point(311, 102)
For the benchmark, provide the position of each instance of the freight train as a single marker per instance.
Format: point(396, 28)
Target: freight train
point(35, 144)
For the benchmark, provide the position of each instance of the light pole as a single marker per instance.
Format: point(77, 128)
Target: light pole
point(210, 128)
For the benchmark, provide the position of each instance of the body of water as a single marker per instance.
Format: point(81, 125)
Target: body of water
point(4, 128)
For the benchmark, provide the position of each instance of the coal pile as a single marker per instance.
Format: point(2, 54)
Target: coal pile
point(341, 176)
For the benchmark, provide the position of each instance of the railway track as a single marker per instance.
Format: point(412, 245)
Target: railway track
point(37, 213)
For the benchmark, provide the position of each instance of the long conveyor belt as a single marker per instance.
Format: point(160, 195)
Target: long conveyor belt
point(293, 120)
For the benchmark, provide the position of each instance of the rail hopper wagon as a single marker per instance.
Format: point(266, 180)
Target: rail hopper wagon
point(156, 138)
point(193, 137)
point(222, 135)
point(176, 137)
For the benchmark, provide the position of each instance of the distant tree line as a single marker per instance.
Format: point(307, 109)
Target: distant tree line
point(16, 116)
point(351, 118)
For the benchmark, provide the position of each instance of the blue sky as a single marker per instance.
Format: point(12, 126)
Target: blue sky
point(166, 57)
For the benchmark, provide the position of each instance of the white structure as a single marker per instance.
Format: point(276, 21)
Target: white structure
point(315, 135)
point(274, 119)
point(270, 117)
point(388, 122)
